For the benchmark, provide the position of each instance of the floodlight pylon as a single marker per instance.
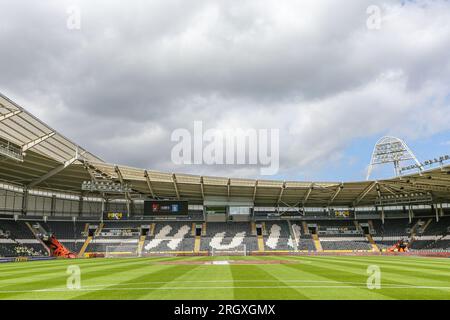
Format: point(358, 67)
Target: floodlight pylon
point(391, 150)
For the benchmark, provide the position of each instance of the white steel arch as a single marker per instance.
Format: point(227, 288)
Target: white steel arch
point(391, 150)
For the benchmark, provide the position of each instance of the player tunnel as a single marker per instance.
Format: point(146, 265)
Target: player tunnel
point(313, 229)
point(145, 231)
point(91, 230)
point(198, 230)
point(365, 228)
point(259, 230)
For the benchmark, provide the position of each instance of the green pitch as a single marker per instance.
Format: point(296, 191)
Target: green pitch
point(189, 278)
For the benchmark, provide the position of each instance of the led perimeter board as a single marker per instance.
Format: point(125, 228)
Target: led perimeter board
point(165, 208)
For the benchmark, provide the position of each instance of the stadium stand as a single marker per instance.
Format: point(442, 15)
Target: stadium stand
point(71, 234)
point(278, 236)
point(16, 238)
point(173, 236)
point(342, 235)
point(229, 236)
point(346, 244)
point(393, 230)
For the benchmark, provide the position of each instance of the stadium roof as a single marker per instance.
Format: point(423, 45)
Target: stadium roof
point(34, 155)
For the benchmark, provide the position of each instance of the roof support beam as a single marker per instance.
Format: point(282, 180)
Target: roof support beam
point(33, 143)
point(308, 194)
point(341, 186)
point(202, 188)
point(122, 181)
point(149, 184)
point(283, 187)
point(254, 191)
point(364, 193)
point(399, 189)
point(388, 189)
point(174, 179)
point(9, 115)
point(88, 168)
point(378, 190)
point(127, 194)
point(53, 172)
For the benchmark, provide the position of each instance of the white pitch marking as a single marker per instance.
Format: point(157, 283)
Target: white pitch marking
point(224, 288)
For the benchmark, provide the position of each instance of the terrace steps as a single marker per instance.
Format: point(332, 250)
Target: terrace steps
point(261, 244)
point(372, 243)
point(294, 237)
point(84, 247)
point(33, 231)
point(317, 243)
point(197, 244)
point(426, 225)
point(152, 229)
point(86, 228)
point(141, 245)
point(99, 229)
point(305, 227)
point(253, 229)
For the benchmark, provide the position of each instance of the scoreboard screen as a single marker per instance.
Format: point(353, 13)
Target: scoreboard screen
point(165, 208)
point(113, 216)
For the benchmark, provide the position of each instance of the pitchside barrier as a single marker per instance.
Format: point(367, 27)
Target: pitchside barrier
point(25, 259)
point(176, 254)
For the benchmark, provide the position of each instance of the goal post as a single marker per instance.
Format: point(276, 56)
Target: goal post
point(121, 251)
point(237, 251)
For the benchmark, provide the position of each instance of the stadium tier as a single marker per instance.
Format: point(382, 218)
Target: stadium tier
point(22, 237)
point(58, 199)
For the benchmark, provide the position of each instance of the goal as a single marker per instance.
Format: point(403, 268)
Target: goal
point(238, 251)
point(121, 251)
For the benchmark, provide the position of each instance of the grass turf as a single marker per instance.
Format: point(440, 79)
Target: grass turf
point(306, 278)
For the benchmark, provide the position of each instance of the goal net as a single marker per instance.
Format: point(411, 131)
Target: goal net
point(238, 251)
point(121, 251)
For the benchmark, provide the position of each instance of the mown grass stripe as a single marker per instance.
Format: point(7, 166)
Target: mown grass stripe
point(58, 279)
point(397, 278)
point(309, 277)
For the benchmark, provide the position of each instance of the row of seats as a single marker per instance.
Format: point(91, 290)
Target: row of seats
point(13, 231)
point(346, 245)
point(21, 250)
point(278, 235)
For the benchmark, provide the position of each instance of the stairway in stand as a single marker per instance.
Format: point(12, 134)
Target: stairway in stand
point(198, 240)
point(372, 243)
point(84, 247)
point(141, 245)
point(317, 243)
point(260, 240)
point(37, 237)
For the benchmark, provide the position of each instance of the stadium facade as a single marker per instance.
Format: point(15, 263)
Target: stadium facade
point(55, 195)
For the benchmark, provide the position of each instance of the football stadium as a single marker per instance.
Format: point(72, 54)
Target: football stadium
point(74, 226)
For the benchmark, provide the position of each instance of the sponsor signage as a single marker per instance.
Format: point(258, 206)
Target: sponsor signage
point(165, 208)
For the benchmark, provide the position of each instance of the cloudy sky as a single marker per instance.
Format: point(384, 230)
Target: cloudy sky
point(321, 72)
